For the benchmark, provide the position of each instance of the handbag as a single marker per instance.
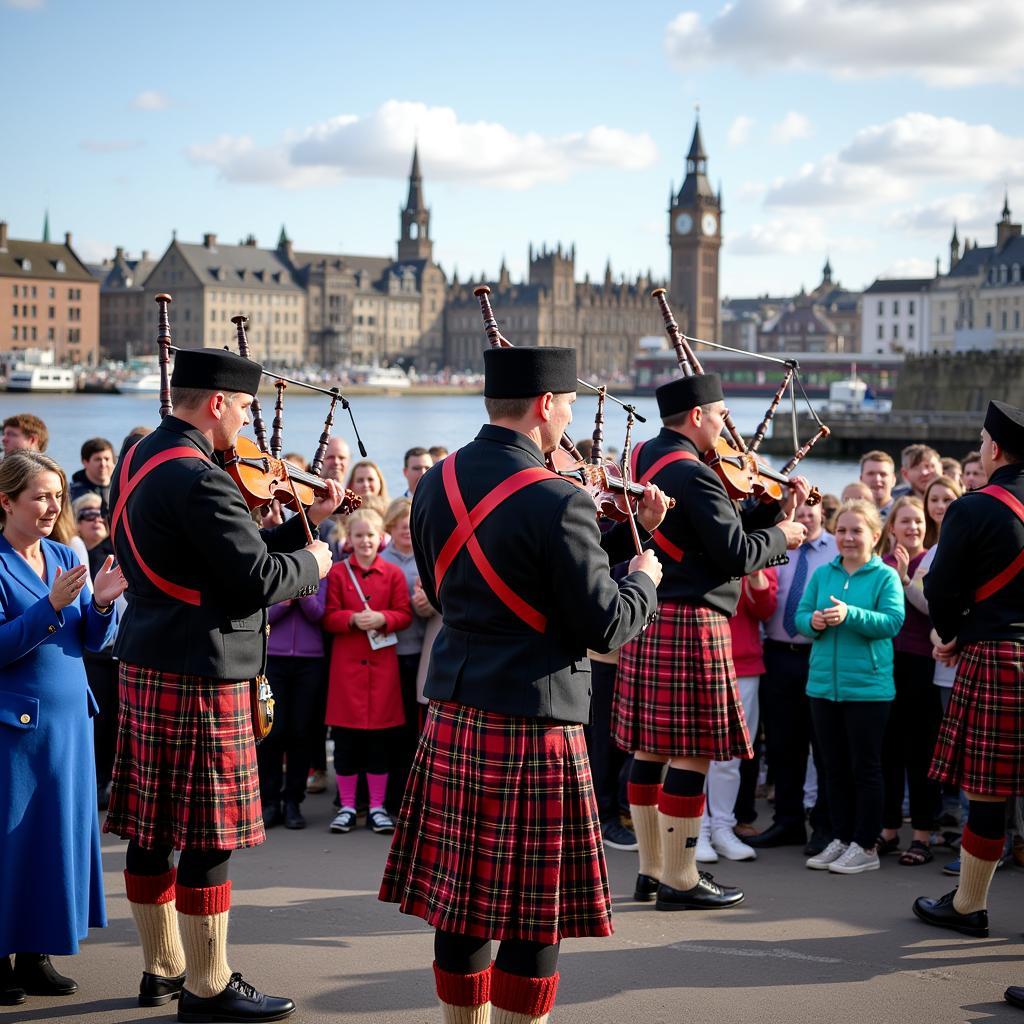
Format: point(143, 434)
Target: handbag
point(378, 640)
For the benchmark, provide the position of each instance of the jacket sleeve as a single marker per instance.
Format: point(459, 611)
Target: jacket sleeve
point(947, 586)
point(239, 565)
point(23, 632)
point(100, 629)
point(286, 536)
point(337, 618)
point(809, 603)
point(887, 619)
point(398, 614)
point(605, 615)
point(720, 529)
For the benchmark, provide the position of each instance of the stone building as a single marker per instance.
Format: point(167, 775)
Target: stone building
point(212, 282)
point(123, 305)
point(979, 303)
point(49, 299)
point(365, 309)
point(895, 316)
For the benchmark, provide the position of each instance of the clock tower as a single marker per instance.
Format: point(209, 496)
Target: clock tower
point(695, 237)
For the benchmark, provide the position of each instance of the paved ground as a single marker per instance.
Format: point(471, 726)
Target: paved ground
point(804, 948)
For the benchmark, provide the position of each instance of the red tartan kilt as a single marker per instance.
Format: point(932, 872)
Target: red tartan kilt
point(675, 692)
point(185, 772)
point(499, 836)
point(981, 742)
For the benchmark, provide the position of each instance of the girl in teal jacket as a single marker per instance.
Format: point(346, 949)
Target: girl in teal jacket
point(851, 609)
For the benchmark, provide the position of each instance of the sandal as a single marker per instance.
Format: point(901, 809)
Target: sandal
point(884, 846)
point(915, 854)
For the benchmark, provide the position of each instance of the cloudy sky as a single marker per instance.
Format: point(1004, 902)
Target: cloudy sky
point(858, 129)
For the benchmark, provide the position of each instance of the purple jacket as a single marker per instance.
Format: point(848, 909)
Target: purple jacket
point(295, 626)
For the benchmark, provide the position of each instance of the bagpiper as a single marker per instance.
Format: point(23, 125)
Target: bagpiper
point(676, 700)
point(200, 577)
point(975, 592)
point(499, 836)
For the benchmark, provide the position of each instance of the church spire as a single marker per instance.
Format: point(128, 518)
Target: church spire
point(415, 243)
point(415, 199)
point(46, 226)
point(1006, 206)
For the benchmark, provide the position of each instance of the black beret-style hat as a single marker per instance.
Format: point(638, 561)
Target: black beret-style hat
point(1005, 425)
point(528, 371)
point(215, 369)
point(686, 393)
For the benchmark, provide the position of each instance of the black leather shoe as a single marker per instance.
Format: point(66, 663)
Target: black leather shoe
point(707, 894)
point(271, 815)
point(943, 914)
point(238, 1002)
point(778, 835)
point(11, 993)
point(817, 843)
point(293, 816)
point(38, 977)
point(155, 990)
point(1014, 995)
point(646, 889)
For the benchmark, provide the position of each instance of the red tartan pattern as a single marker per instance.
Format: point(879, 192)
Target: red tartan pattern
point(675, 692)
point(981, 743)
point(499, 836)
point(185, 772)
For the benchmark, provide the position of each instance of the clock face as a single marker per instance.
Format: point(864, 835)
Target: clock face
point(684, 223)
point(709, 223)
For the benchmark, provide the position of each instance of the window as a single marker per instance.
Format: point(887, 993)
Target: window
point(1004, 320)
point(911, 309)
point(52, 311)
point(881, 332)
point(51, 334)
point(14, 310)
point(51, 293)
point(33, 308)
point(1015, 273)
point(895, 332)
point(910, 330)
point(33, 291)
point(881, 307)
point(895, 307)
point(988, 319)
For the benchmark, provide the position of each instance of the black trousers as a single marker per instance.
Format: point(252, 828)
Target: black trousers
point(101, 671)
point(406, 736)
point(909, 744)
point(746, 799)
point(786, 720)
point(851, 734)
point(608, 765)
point(296, 686)
point(362, 750)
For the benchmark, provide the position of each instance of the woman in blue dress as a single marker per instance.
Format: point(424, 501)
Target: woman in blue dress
point(51, 881)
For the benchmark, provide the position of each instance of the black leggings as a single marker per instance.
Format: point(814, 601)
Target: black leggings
point(363, 750)
point(197, 869)
point(463, 954)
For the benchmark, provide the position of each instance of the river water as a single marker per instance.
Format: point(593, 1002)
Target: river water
point(388, 425)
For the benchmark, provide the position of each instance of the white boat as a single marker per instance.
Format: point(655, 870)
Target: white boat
point(389, 377)
point(143, 384)
point(853, 396)
point(40, 378)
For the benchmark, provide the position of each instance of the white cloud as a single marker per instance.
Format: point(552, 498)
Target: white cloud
point(110, 145)
point(25, 5)
point(792, 127)
point(379, 145)
point(968, 210)
point(793, 236)
point(749, 190)
point(739, 130)
point(943, 42)
point(93, 250)
point(889, 162)
point(150, 99)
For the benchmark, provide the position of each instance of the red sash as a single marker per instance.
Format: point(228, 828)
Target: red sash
point(1014, 569)
point(672, 550)
point(464, 535)
point(126, 486)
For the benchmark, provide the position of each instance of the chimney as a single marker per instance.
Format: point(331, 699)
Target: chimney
point(3, 236)
point(145, 255)
point(209, 241)
point(119, 253)
point(67, 239)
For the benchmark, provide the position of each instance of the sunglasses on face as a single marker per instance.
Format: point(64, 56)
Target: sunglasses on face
point(89, 515)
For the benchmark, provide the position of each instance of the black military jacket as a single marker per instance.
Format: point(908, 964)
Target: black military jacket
point(980, 537)
point(720, 544)
point(192, 527)
point(545, 545)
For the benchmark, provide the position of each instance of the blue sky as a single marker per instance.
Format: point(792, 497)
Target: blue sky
point(847, 128)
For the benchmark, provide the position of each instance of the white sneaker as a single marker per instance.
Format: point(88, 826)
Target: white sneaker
point(828, 856)
point(730, 846)
point(705, 851)
point(854, 861)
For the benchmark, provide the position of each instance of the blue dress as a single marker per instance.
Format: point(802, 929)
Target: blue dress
point(51, 877)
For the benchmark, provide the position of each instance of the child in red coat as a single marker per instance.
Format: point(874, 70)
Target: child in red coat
point(367, 603)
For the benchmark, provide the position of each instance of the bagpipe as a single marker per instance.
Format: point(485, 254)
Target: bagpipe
point(736, 463)
point(256, 466)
